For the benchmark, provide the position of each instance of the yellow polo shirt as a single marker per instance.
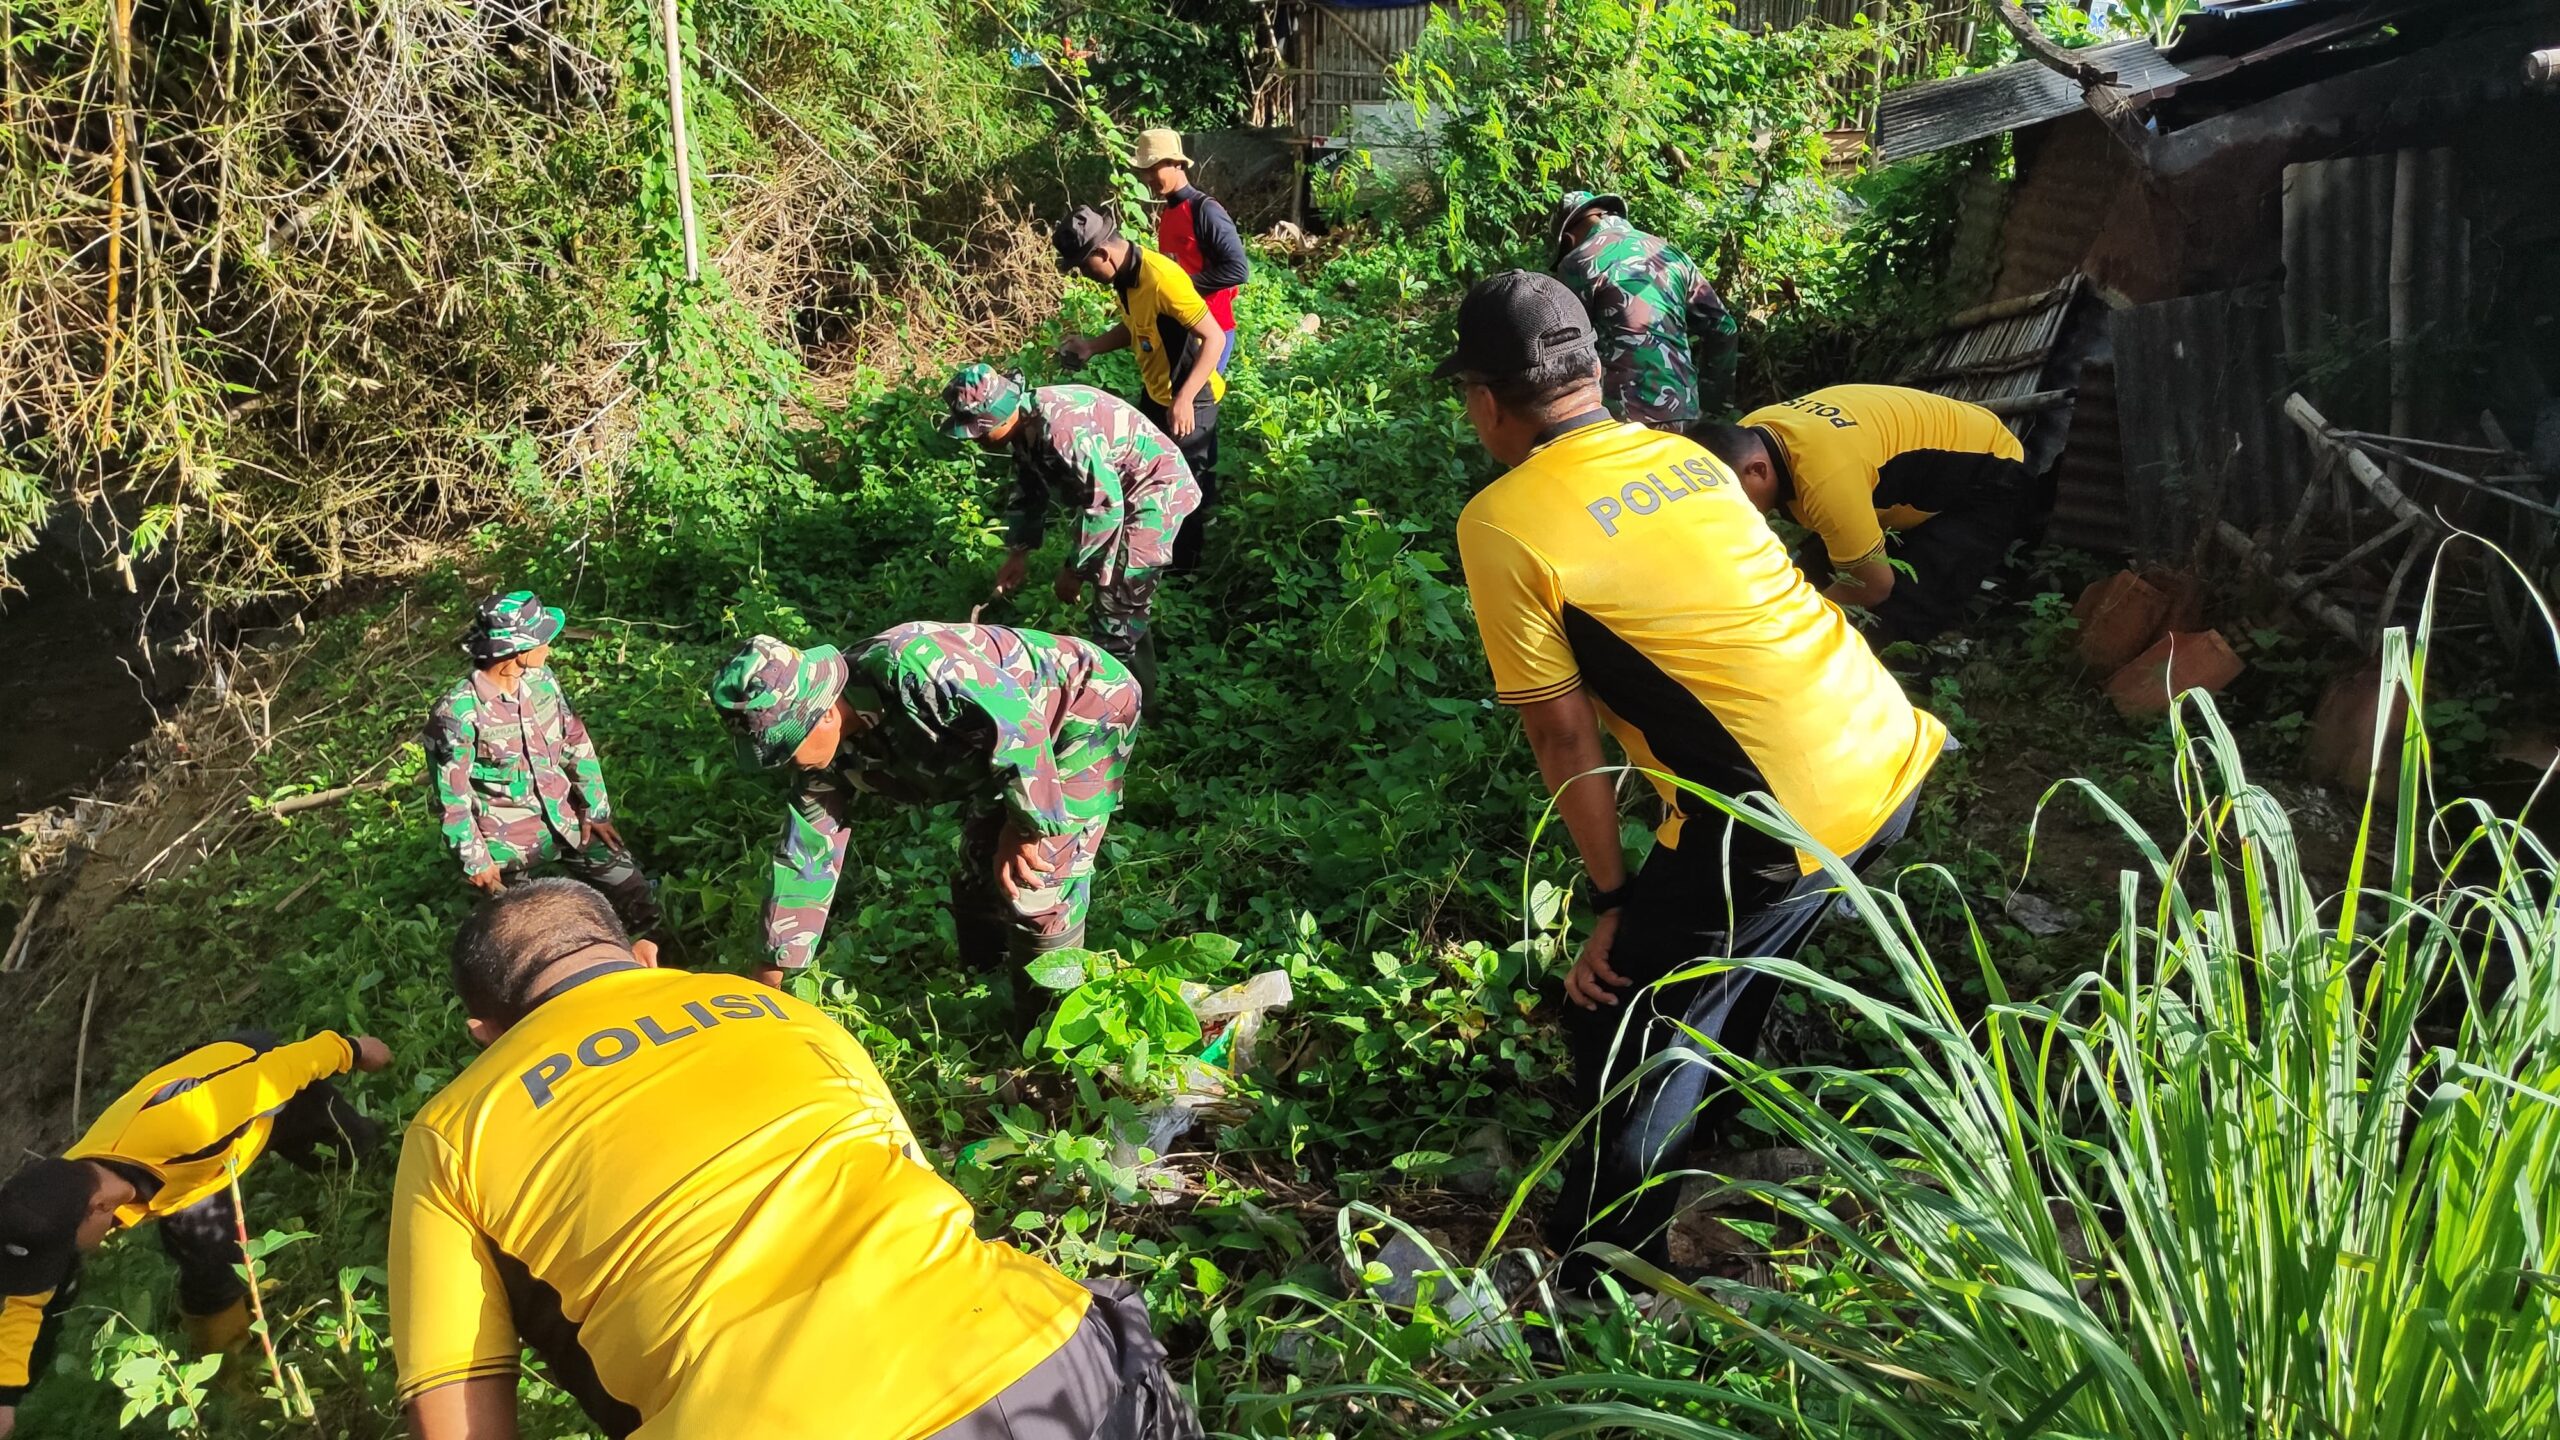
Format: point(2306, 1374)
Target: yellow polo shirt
point(1863, 459)
point(1627, 561)
point(702, 1194)
point(197, 1120)
point(1159, 305)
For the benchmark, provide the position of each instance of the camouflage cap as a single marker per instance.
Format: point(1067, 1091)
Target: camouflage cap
point(980, 399)
point(1570, 209)
point(771, 696)
point(511, 624)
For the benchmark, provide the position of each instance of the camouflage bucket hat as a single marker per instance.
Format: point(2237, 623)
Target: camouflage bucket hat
point(980, 399)
point(771, 696)
point(1570, 209)
point(511, 624)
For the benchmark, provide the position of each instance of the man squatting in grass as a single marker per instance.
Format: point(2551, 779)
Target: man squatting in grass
point(1125, 481)
point(515, 775)
point(1178, 344)
point(1667, 344)
point(1622, 579)
point(1886, 477)
point(700, 1206)
point(167, 1151)
point(1032, 732)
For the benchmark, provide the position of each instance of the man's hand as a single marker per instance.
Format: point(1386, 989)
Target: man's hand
point(371, 1054)
point(488, 881)
point(1010, 575)
point(595, 830)
point(1181, 415)
point(1018, 866)
point(8, 1420)
point(1069, 586)
point(1075, 350)
point(1584, 986)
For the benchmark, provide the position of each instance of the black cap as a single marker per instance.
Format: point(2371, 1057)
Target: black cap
point(1081, 233)
point(41, 1208)
point(1512, 323)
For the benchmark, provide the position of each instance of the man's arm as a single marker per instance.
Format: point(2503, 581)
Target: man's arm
point(1088, 346)
point(482, 1409)
point(1223, 262)
point(1619, 334)
point(23, 1319)
point(1862, 584)
point(807, 859)
point(233, 1098)
point(1105, 509)
point(586, 773)
point(1204, 362)
point(1026, 514)
point(1565, 735)
point(451, 738)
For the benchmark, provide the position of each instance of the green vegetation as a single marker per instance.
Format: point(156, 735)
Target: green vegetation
point(2230, 1158)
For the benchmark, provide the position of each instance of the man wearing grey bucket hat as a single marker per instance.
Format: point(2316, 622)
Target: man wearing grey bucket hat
point(516, 779)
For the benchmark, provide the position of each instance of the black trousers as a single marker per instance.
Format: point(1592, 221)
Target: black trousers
point(1687, 906)
point(1108, 1382)
point(1200, 452)
point(203, 1240)
point(1949, 554)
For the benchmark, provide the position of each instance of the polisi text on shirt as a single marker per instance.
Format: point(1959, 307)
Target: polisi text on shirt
point(1643, 497)
point(616, 1043)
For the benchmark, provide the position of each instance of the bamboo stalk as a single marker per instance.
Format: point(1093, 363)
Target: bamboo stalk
point(80, 1056)
point(684, 159)
point(257, 1305)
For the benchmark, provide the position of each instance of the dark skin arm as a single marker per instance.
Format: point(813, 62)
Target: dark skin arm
point(478, 1409)
point(1565, 735)
point(1861, 585)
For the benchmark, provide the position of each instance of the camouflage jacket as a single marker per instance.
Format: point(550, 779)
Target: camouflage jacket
point(973, 713)
point(1126, 481)
point(505, 767)
point(1666, 344)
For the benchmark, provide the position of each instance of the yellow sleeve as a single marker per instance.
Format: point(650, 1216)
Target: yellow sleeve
point(1519, 615)
point(1836, 499)
point(449, 1317)
point(21, 1323)
point(1175, 294)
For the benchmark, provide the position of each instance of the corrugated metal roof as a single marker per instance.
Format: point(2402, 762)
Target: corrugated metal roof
point(2088, 484)
point(2199, 386)
point(1922, 118)
point(2338, 223)
point(2000, 353)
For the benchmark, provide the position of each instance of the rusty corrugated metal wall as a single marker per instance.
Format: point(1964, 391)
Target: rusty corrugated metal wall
point(2339, 222)
point(2200, 382)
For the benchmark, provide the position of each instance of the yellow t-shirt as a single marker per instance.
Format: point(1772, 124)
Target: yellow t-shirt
point(1628, 561)
point(1159, 305)
point(1860, 458)
point(204, 1115)
point(710, 1182)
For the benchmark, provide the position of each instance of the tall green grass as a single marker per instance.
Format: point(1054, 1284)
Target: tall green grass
point(2278, 1164)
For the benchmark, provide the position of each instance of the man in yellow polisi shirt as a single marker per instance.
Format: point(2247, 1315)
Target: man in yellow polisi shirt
point(1886, 478)
point(1621, 579)
point(1178, 341)
point(694, 1198)
point(165, 1153)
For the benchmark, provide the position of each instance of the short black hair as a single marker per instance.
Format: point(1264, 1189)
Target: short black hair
point(515, 934)
point(1732, 444)
point(1543, 384)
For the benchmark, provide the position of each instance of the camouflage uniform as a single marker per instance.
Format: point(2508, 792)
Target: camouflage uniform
point(515, 774)
point(1125, 480)
point(1019, 726)
point(1667, 344)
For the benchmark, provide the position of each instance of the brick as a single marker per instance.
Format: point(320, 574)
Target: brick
point(2196, 660)
point(2340, 751)
point(2119, 616)
point(2182, 595)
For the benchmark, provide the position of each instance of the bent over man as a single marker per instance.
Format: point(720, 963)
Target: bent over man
point(515, 775)
point(167, 1151)
point(1667, 344)
point(1126, 482)
point(697, 1203)
point(1030, 731)
point(1178, 343)
point(1886, 477)
point(1621, 579)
